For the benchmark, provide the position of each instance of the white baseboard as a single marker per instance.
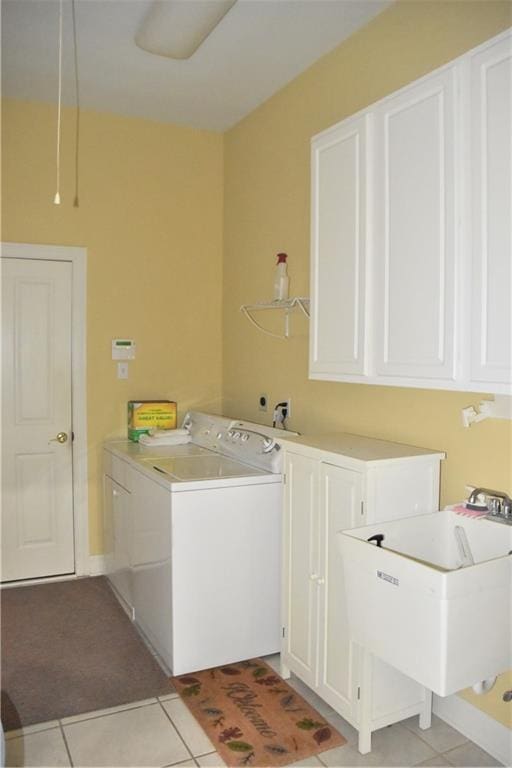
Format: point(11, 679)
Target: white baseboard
point(489, 734)
point(97, 565)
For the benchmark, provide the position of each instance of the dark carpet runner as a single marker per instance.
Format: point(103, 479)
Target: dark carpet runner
point(69, 648)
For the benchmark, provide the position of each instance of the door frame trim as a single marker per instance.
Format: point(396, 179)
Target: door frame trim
point(78, 259)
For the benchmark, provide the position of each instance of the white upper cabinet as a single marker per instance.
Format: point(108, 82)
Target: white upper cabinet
point(414, 230)
point(490, 109)
point(411, 233)
point(339, 246)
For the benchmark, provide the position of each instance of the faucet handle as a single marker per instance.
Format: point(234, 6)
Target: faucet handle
point(495, 506)
point(476, 492)
point(506, 509)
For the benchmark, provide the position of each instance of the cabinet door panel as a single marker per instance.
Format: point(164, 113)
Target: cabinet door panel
point(392, 692)
point(401, 490)
point(108, 521)
point(301, 566)
point(339, 225)
point(121, 576)
point(415, 230)
point(151, 563)
point(341, 496)
point(225, 581)
point(491, 180)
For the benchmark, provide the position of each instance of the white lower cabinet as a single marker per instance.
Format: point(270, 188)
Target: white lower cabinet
point(341, 504)
point(327, 492)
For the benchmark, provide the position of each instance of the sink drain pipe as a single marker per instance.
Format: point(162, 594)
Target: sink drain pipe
point(484, 685)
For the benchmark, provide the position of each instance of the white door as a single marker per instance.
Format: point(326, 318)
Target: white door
point(339, 188)
point(301, 567)
point(415, 230)
point(491, 230)
point(341, 503)
point(37, 504)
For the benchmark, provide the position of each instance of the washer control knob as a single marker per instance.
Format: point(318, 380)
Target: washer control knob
point(236, 436)
point(245, 437)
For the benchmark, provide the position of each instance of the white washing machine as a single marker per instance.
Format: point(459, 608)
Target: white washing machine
point(205, 542)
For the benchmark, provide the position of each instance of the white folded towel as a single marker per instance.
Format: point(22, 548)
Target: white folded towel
point(161, 441)
point(165, 437)
point(154, 432)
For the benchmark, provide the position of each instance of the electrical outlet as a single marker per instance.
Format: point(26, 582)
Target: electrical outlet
point(262, 402)
point(122, 370)
point(281, 412)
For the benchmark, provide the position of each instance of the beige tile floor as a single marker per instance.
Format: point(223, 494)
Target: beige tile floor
point(161, 732)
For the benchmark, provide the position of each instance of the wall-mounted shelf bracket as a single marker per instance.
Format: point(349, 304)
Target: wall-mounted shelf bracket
point(287, 305)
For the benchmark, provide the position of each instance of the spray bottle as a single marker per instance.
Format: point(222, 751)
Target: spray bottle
point(281, 278)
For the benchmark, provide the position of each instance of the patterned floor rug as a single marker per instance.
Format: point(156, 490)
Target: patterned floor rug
point(253, 717)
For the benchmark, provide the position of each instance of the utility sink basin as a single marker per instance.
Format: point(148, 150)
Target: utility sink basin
point(419, 604)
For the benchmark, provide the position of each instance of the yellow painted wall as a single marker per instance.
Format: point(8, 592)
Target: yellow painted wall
point(150, 217)
point(267, 210)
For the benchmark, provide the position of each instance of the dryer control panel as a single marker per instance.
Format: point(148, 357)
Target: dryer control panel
point(250, 443)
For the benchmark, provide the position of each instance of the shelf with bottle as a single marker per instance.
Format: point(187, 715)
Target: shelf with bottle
point(286, 305)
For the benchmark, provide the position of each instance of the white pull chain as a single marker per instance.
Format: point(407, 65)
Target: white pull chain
point(56, 199)
point(77, 95)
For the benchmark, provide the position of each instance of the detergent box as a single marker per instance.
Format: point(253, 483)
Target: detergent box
point(144, 415)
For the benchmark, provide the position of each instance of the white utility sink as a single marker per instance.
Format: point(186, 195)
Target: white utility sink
point(417, 604)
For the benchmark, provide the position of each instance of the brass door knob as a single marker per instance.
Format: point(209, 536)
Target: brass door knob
point(61, 437)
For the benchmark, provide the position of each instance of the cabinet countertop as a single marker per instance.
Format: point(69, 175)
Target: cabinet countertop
point(359, 447)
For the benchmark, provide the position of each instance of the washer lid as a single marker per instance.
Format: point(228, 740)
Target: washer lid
point(152, 452)
point(213, 466)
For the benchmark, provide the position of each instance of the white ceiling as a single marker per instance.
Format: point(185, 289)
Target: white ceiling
point(258, 47)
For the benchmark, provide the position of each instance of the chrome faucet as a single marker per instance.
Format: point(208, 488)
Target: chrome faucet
point(499, 503)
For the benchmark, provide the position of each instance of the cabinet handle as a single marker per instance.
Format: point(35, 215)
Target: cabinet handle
point(114, 492)
point(313, 576)
point(320, 581)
